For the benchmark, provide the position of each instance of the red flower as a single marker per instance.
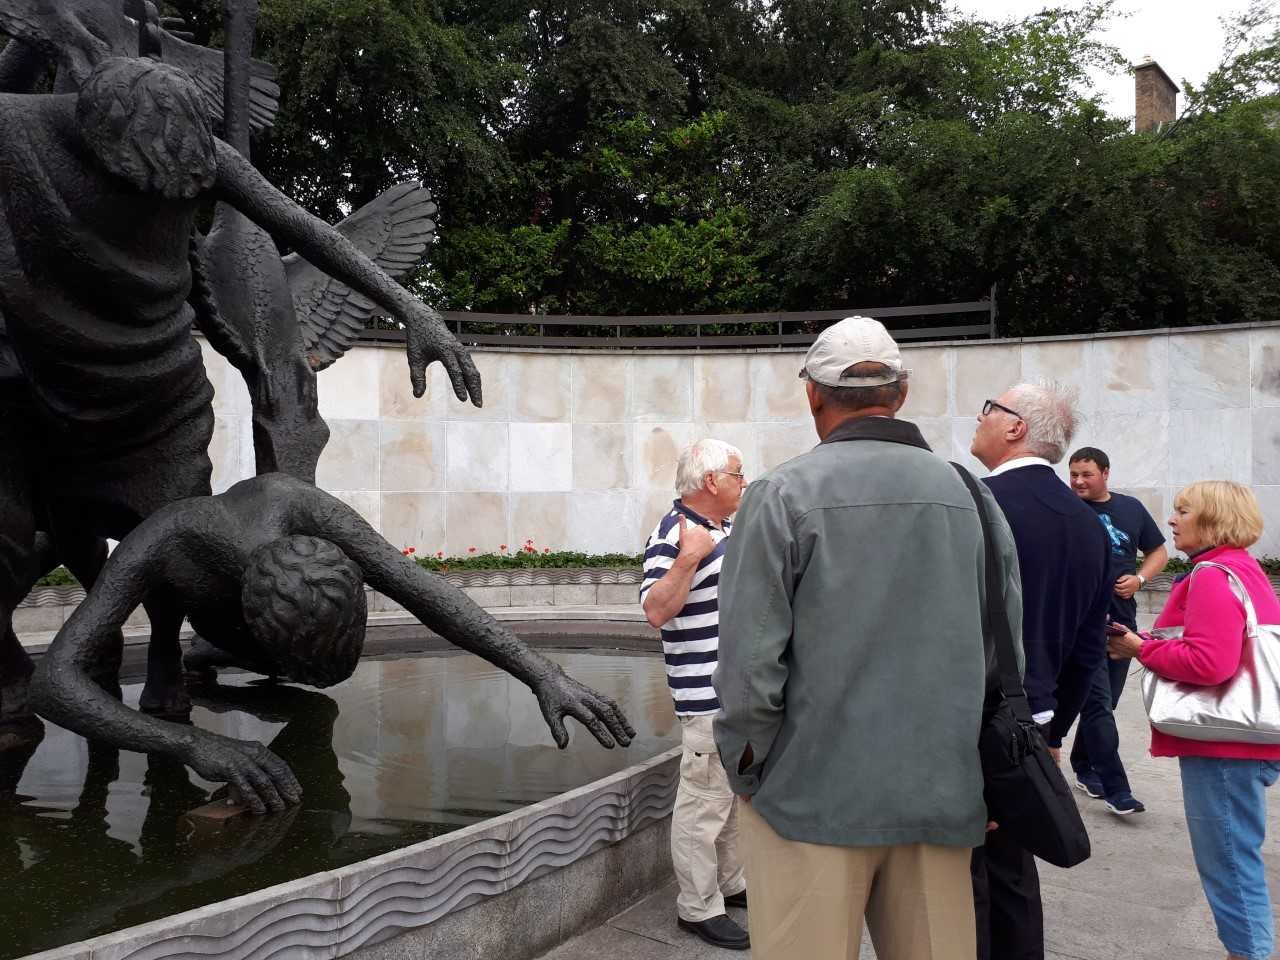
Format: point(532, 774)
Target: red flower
point(502, 546)
point(471, 549)
point(529, 541)
point(546, 549)
point(405, 551)
point(439, 554)
point(413, 549)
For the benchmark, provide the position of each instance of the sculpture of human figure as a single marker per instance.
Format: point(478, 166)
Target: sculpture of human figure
point(272, 571)
point(98, 197)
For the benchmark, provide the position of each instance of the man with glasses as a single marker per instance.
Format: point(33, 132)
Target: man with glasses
point(680, 595)
point(1063, 556)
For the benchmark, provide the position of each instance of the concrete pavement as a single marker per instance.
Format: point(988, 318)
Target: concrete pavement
point(1137, 897)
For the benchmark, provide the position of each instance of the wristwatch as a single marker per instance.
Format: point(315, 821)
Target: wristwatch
point(1142, 581)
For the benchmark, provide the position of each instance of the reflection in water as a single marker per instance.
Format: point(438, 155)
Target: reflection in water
point(94, 840)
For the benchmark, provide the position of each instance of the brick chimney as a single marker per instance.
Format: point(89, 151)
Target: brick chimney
point(1155, 97)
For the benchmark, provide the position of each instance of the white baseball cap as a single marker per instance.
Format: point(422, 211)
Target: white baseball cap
point(852, 340)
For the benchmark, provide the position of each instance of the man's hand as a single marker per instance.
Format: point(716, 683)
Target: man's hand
point(430, 340)
point(1056, 754)
point(1127, 586)
point(264, 781)
point(559, 695)
point(695, 541)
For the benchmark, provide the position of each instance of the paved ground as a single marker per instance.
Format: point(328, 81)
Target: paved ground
point(1138, 897)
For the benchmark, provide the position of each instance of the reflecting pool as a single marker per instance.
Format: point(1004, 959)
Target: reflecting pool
point(93, 840)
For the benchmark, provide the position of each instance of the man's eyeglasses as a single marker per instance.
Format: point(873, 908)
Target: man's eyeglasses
point(742, 477)
point(992, 405)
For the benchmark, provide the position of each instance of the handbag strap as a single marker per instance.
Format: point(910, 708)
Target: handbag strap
point(1238, 588)
point(997, 612)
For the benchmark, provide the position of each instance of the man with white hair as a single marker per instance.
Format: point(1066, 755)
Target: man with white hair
point(681, 595)
point(1064, 556)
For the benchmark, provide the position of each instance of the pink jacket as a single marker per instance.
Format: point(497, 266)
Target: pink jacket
point(1210, 647)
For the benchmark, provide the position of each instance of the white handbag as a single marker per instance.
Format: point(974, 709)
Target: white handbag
point(1244, 709)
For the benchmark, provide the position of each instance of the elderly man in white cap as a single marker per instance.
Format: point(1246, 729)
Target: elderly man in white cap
point(852, 695)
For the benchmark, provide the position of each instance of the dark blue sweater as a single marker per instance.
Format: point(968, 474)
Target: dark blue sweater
point(1064, 558)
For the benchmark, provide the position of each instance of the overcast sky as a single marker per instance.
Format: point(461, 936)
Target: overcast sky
point(1183, 36)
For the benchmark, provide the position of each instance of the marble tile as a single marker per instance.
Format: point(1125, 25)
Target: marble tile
point(478, 456)
point(599, 389)
point(983, 373)
point(1207, 370)
point(350, 461)
point(351, 388)
point(610, 521)
point(542, 518)
point(414, 520)
point(722, 388)
point(1264, 366)
point(929, 389)
point(540, 387)
point(1210, 445)
point(367, 503)
point(1158, 501)
point(937, 433)
point(1269, 500)
point(230, 395)
point(962, 429)
point(777, 392)
point(653, 505)
point(412, 455)
point(494, 389)
point(395, 393)
point(541, 456)
point(1064, 361)
point(1138, 446)
point(1266, 445)
point(476, 520)
point(601, 456)
point(662, 389)
point(780, 442)
point(1130, 374)
point(224, 451)
point(655, 449)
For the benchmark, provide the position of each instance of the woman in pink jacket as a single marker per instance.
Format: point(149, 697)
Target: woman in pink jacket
point(1223, 783)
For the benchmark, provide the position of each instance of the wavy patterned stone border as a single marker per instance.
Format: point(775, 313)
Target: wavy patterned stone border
point(570, 859)
point(70, 595)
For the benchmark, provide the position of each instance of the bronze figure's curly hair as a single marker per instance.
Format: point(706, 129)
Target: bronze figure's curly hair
point(303, 600)
point(147, 123)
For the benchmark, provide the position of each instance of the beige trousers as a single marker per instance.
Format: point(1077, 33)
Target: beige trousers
point(704, 827)
point(808, 900)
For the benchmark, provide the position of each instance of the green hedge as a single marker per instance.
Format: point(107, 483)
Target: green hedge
point(527, 558)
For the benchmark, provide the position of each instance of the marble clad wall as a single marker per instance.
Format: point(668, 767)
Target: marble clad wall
point(577, 451)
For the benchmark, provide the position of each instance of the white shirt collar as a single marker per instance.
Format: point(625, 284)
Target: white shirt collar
point(1018, 462)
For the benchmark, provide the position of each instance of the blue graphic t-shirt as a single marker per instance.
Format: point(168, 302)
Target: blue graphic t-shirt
point(1129, 528)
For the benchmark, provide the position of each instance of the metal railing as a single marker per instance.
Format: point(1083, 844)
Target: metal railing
point(515, 330)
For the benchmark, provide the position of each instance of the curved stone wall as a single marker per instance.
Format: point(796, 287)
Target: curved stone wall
point(577, 450)
point(546, 871)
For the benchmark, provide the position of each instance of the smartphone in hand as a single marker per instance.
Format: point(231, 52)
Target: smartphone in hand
point(1116, 629)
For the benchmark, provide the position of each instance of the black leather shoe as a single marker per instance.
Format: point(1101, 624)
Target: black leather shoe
point(738, 899)
point(718, 931)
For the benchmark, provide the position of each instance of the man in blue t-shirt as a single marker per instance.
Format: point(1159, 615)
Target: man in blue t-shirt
point(1130, 530)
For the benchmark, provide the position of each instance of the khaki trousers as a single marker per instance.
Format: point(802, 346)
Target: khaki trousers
point(704, 827)
point(808, 900)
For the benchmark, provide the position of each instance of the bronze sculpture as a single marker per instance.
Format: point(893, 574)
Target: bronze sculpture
point(99, 187)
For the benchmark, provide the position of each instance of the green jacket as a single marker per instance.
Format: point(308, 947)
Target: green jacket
point(851, 643)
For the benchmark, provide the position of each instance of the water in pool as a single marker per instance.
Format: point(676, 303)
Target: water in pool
point(94, 840)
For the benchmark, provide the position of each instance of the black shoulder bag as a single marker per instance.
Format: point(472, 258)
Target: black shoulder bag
point(1025, 791)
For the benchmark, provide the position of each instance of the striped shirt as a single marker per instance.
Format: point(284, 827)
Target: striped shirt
point(690, 639)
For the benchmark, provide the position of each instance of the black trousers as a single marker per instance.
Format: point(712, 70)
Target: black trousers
point(1006, 899)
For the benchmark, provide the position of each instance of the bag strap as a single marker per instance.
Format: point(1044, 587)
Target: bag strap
point(997, 612)
point(1250, 612)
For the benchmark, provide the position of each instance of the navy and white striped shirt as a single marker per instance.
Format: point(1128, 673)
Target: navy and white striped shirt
point(690, 639)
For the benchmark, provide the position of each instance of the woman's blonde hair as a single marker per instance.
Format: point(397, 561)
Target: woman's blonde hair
point(1227, 513)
